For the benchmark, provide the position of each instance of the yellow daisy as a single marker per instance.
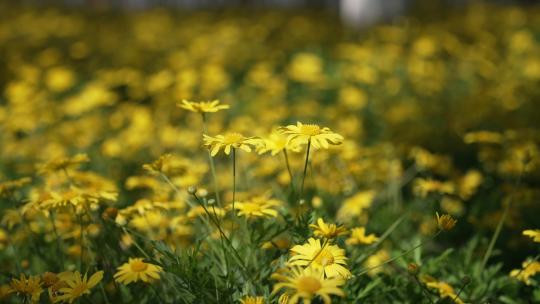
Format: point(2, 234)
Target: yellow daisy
point(328, 231)
point(257, 208)
point(27, 287)
point(252, 300)
point(529, 269)
point(534, 234)
point(77, 285)
point(445, 222)
point(276, 143)
point(63, 163)
point(445, 291)
point(229, 141)
point(359, 237)
point(306, 284)
point(137, 270)
point(202, 106)
point(330, 258)
point(310, 133)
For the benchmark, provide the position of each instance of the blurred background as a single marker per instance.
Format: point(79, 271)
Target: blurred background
point(450, 86)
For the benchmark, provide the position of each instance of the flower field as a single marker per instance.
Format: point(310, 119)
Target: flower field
point(267, 156)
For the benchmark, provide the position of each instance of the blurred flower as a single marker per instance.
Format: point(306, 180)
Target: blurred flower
point(445, 222)
point(358, 237)
point(63, 163)
point(326, 230)
point(229, 141)
point(445, 291)
point(306, 284)
point(202, 106)
point(27, 286)
point(252, 300)
point(257, 207)
point(529, 269)
point(276, 143)
point(534, 234)
point(137, 270)
point(77, 285)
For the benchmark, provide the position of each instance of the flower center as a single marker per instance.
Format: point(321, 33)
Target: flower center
point(308, 284)
point(251, 207)
point(310, 130)
point(232, 138)
point(138, 266)
point(325, 257)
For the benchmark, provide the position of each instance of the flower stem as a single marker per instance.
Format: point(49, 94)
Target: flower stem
point(495, 236)
point(82, 243)
point(212, 165)
point(234, 176)
point(58, 241)
point(289, 169)
point(399, 256)
point(305, 169)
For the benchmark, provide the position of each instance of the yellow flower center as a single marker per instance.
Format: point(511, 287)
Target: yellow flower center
point(251, 207)
point(233, 138)
point(78, 290)
point(325, 257)
point(138, 266)
point(308, 284)
point(310, 130)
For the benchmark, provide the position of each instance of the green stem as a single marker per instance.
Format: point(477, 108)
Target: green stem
point(215, 221)
point(212, 165)
point(57, 236)
point(82, 243)
point(423, 288)
point(234, 177)
point(500, 224)
point(305, 168)
point(399, 256)
point(289, 169)
point(459, 292)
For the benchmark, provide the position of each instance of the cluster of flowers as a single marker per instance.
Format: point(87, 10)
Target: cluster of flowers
point(427, 118)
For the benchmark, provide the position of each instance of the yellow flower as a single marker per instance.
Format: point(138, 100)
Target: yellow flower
point(445, 290)
point(30, 286)
point(358, 236)
point(276, 143)
point(353, 206)
point(198, 211)
point(304, 133)
point(329, 231)
point(422, 187)
point(534, 234)
point(529, 269)
point(137, 270)
point(257, 207)
point(8, 187)
point(252, 300)
point(445, 222)
point(228, 141)
point(306, 284)
point(63, 163)
point(77, 285)
point(156, 167)
point(330, 258)
point(202, 106)
point(374, 261)
point(486, 137)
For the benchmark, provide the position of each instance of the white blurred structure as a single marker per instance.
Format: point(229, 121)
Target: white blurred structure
point(355, 13)
point(359, 13)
